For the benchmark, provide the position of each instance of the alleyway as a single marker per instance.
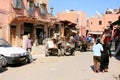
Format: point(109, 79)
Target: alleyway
point(78, 67)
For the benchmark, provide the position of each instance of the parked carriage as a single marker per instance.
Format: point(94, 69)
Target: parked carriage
point(67, 48)
point(59, 48)
point(51, 48)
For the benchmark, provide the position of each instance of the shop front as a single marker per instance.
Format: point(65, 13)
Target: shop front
point(28, 28)
point(68, 27)
point(40, 33)
point(18, 27)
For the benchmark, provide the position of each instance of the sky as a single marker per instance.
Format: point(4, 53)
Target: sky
point(88, 6)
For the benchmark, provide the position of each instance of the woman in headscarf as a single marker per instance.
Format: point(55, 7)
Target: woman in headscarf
point(106, 53)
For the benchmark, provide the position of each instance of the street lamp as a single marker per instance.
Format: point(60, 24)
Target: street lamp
point(51, 10)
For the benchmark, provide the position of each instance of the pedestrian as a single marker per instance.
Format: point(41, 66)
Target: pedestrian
point(97, 48)
point(106, 52)
point(105, 57)
point(29, 43)
point(29, 46)
point(76, 38)
point(90, 41)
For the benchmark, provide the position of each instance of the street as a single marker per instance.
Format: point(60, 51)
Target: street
point(78, 67)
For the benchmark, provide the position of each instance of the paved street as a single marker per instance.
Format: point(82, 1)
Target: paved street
point(78, 67)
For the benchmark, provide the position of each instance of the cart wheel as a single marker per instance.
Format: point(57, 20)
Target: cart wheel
point(67, 53)
point(72, 52)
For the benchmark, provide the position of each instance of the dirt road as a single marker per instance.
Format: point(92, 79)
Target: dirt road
point(78, 67)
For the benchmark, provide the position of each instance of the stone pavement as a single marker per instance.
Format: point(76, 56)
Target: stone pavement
point(38, 51)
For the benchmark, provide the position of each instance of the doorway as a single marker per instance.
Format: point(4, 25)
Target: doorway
point(40, 35)
point(12, 35)
point(28, 28)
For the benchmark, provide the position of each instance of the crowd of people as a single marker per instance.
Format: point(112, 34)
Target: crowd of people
point(100, 46)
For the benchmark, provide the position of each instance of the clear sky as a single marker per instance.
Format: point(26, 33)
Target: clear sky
point(88, 6)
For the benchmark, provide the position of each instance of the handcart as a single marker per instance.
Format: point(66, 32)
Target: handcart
point(51, 48)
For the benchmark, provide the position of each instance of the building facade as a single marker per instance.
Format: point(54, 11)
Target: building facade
point(20, 17)
point(99, 22)
point(77, 17)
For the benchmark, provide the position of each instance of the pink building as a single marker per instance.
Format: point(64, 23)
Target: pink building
point(18, 17)
point(99, 22)
point(77, 17)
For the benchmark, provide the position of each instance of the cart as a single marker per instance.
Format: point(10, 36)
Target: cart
point(51, 48)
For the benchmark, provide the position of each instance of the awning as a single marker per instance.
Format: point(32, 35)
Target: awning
point(72, 24)
point(95, 32)
point(116, 22)
point(65, 22)
point(74, 31)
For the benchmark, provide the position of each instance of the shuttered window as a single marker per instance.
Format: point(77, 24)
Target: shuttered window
point(30, 7)
point(43, 9)
point(17, 4)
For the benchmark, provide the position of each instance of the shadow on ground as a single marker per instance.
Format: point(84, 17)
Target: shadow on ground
point(117, 57)
point(21, 64)
point(3, 69)
point(114, 55)
point(92, 67)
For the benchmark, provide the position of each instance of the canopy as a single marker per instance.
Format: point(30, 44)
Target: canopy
point(95, 32)
point(116, 22)
point(74, 31)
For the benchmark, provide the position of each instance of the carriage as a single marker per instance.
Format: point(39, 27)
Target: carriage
point(51, 48)
point(59, 48)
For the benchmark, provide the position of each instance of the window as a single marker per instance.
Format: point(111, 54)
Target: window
point(43, 9)
point(30, 7)
point(77, 20)
point(100, 22)
point(37, 4)
point(91, 22)
point(109, 22)
point(18, 4)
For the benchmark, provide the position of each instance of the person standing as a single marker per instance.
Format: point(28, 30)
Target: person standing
point(29, 47)
point(105, 57)
point(29, 43)
point(76, 38)
point(107, 52)
point(90, 41)
point(97, 48)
